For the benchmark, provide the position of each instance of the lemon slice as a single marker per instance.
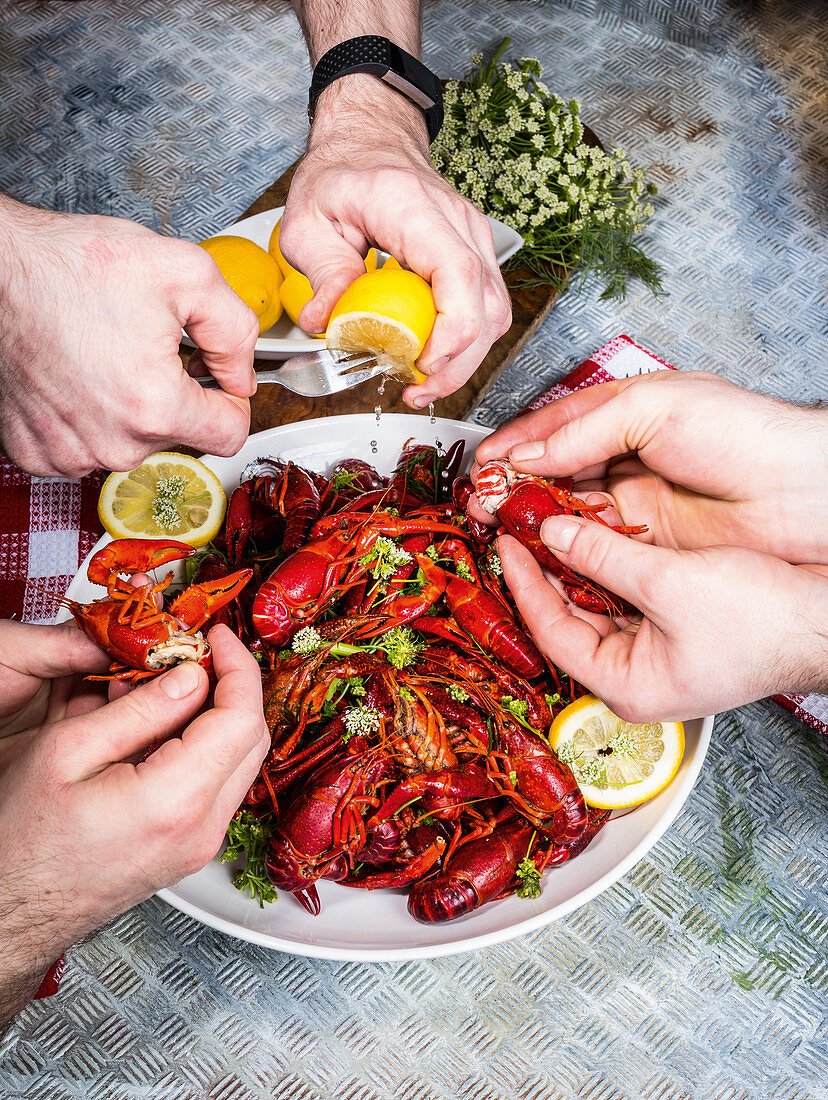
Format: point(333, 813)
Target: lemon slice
point(390, 313)
point(170, 495)
point(616, 763)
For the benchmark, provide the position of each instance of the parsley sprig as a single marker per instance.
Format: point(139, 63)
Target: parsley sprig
point(247, 837)
point(529, 875)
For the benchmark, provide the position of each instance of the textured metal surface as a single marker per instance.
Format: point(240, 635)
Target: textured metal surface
point(704, 974)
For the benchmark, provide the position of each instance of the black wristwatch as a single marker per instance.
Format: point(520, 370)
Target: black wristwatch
point(370, 53)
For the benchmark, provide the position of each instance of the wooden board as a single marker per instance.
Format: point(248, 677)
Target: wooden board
point(273, 405)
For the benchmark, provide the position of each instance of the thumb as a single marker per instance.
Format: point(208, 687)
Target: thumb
point(151, 712)
point(329, 261)
point(615, 561)
point(223, 328)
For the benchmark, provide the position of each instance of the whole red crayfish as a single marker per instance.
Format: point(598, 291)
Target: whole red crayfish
point(523, 501)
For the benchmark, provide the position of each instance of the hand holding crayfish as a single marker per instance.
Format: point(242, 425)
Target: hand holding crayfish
point(85, 830)
point(698, 460)
point(734, 490)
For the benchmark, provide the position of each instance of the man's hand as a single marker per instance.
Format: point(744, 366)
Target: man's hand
point(721, 627)
point(701, 461)
point(91, 312)
point(38, 670)
point(85, 832)
point(366, 180)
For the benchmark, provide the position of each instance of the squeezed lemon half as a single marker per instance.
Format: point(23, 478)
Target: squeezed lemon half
point(389, 313)
point(615, 763)
point(170, 495)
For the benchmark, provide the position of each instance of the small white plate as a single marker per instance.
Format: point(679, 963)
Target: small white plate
point(285, 338)
point(372, 927)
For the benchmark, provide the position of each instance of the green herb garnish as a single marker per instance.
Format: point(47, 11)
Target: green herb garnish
point(518, 708)
point(247, 836)
point(518, 152)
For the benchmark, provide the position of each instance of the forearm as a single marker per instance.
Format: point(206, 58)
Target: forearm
point(29, 944)
point(359, 102)
point(325, 23)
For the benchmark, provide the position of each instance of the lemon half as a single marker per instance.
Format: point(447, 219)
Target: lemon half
point(170, 495)
point(389, 313)
point(616, 763)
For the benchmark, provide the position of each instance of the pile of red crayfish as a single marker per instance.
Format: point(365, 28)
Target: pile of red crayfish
point(408, 706)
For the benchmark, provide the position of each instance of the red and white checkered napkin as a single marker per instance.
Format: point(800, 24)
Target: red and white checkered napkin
point(623, 358)
point(49, 525)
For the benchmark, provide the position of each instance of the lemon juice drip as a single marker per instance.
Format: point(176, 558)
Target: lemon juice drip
point(431, 412)
point(373, 446)
point(378, 411)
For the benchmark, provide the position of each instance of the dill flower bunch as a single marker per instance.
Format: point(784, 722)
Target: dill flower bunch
point(521, 154)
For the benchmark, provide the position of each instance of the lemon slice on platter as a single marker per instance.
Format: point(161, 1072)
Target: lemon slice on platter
point(390, 313)
point(170, 495)
point(616, 763)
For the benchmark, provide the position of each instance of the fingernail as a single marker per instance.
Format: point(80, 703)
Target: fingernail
point(559, 533)
point(528, 452)
point(181, 680)
point(438, 364)
point(421, 402)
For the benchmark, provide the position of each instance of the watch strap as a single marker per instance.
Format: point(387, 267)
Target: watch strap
point(371, 53)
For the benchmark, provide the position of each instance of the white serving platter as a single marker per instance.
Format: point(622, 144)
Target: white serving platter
point(362, 926)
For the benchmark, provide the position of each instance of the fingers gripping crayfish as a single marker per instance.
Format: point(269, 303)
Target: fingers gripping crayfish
point(522, 502)
point(141, 637)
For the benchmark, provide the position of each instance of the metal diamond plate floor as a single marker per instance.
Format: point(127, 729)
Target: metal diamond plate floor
point(703, 975)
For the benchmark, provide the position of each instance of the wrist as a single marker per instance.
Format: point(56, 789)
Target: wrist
point(363, 110)
point(25, 956)
point(803, 663)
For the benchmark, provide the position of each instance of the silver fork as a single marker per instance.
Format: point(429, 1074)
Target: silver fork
point(316, 373)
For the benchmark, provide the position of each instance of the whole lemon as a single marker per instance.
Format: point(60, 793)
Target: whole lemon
point(295, 292)
point(253, 273)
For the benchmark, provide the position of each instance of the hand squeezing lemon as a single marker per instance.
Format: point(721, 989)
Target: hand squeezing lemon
point(616, 763)
point(388, 312)
point(296, 290)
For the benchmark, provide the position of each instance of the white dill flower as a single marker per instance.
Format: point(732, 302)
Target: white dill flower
point(306, 641)
point(168, 496)
point(360, 720)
